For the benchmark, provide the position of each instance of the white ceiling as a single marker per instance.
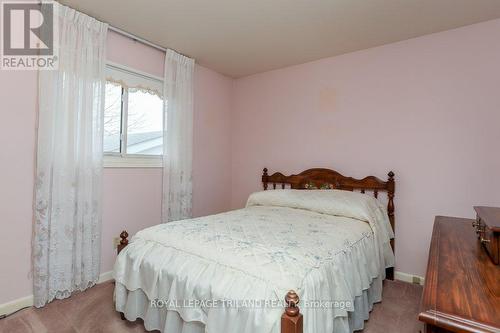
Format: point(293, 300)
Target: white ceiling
point(243, 37)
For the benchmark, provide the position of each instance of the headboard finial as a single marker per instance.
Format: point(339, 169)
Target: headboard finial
point(123, 242)
point(264, 178)
point(391, 185)
point(123, 236)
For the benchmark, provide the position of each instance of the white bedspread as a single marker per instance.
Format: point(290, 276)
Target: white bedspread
point(326, 245)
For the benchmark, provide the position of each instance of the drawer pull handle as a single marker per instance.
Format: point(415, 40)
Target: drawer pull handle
point(483, 240)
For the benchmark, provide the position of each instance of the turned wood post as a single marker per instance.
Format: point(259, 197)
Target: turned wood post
point(391, 188)
point(264, 178)
point(121, 246)
point(123, 241)
point(291, 320)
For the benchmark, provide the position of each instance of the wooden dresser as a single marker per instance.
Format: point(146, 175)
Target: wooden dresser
point(462, 284)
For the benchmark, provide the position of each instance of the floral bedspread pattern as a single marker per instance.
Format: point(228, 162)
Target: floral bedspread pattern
point(326, 245)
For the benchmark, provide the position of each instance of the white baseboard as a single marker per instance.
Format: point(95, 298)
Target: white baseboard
point(15, 305)
point(405, 277)
point(20, 303)
point(106, 276)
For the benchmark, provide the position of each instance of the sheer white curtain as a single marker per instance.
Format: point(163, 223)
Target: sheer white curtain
point(177, 137)
point(66, 241)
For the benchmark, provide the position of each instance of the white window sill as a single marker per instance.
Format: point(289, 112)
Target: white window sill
point(133, 161)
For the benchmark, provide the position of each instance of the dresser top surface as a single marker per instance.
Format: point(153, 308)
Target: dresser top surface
point(462, 285)
point(490, 216)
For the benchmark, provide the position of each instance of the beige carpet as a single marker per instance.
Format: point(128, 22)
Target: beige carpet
point(92, 311)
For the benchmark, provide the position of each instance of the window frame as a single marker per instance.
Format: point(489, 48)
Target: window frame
point(122, 159)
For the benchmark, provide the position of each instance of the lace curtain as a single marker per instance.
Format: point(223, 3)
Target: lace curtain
point(67, 208)
point(177, 137)
point(133, 81)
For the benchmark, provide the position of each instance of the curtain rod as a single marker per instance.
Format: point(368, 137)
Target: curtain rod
point(137, 38)
point(142, 40)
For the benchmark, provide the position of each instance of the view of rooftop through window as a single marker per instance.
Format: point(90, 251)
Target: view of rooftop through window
point(133, 121)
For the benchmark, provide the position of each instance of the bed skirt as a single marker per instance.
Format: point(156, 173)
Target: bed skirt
point(135, 304)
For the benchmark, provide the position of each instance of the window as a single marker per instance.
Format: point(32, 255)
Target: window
point(133, 119)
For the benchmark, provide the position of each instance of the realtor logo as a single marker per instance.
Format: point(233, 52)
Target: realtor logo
point(29, 35)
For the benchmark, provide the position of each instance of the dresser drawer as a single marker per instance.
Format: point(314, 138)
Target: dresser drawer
point(489, 240)
point(487, 226)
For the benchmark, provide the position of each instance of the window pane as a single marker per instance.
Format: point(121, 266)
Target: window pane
point(112, 118)
point(145, 123)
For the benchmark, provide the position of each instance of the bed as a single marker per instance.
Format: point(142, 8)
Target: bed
point(315, 240)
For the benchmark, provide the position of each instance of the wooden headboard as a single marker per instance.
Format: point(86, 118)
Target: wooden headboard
point(320, 178)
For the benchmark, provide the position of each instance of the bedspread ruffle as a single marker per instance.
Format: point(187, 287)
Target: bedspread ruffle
point(135, 304)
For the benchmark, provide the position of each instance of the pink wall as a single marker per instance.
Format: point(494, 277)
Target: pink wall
point(18, 100)
point(132, 197)
point(427, 108)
